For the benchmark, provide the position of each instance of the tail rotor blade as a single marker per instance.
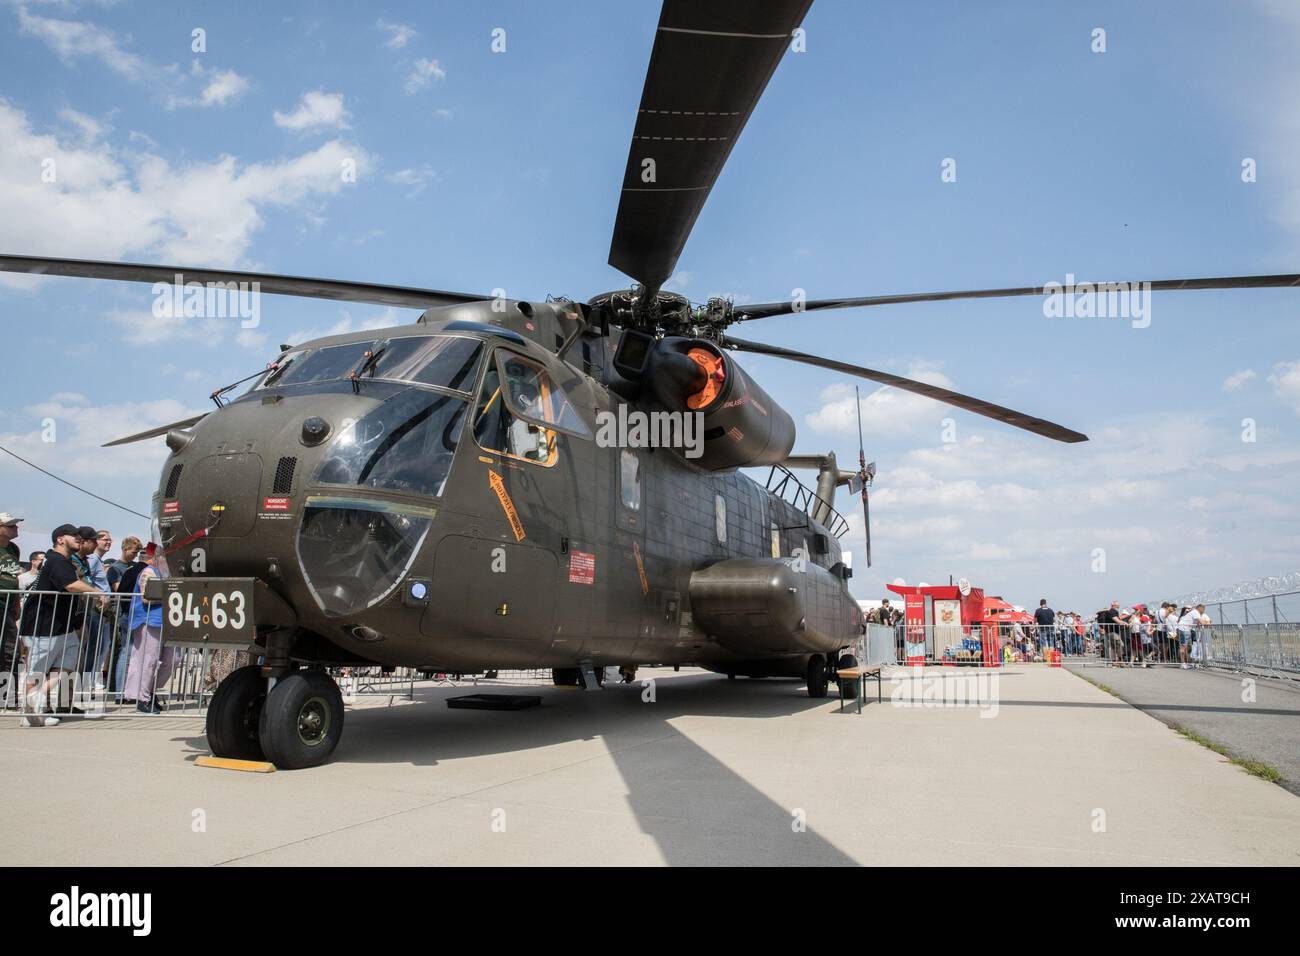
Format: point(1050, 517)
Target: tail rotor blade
point(864, 477)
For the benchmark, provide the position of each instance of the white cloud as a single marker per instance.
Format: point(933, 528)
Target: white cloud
point(82, 426)
point(316, 110)
point(109, 205)
point(89, 128)
point(222, 86)
point(385, 320)
point(142, 328)
point(1237, 380)
point(416, 179)
point(422, 74)
point(72, 40)
point(885, 410)
point(1160, 494)
point(399, 34)
point(1285, 380)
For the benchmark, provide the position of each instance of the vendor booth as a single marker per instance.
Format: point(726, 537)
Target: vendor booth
point(944, 624)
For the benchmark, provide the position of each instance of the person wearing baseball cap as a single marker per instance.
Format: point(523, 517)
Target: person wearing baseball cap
point(51, 623)
point(10, 568)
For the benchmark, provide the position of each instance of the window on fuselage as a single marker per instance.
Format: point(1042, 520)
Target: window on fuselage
point(630, 479)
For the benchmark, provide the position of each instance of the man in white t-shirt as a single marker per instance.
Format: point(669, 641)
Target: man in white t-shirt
point(1201, 647)
point(1187, 625)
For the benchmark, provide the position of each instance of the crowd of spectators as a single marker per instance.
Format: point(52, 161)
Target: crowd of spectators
point(1137, 636)
point(63, 628)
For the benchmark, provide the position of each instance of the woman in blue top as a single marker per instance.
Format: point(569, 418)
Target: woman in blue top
point(151, 663)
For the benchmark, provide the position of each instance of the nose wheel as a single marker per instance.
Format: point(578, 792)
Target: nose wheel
point(296, 725)
point(302, 720)
point(234, 714)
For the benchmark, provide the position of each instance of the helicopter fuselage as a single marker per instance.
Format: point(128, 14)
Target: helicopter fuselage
point(462, 514)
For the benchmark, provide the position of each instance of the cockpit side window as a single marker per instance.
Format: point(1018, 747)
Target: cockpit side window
point(532, 393)
point(496, 429)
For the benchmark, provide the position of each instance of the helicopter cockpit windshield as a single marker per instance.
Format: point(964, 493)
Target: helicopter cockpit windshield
point(405, 444)
point(439, 361)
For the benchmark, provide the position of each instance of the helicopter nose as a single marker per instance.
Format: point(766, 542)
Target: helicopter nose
point(221, 494)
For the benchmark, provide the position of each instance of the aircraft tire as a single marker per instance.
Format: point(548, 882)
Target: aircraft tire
point(816, 677)
point(566, 677)
point(302, 720)
point(234, 715)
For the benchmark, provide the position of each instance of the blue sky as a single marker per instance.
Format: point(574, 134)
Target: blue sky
point(479, 170)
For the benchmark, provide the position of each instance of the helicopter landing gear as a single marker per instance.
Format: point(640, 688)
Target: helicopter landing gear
point(815, 676)
point(296, 724)
point(234, 713)
point(302, 720)
point(566, 676)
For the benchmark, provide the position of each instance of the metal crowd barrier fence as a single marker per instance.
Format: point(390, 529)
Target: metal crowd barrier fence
point(962, 645)
point(92, 654)
point(372, 681)
point(1273, 648)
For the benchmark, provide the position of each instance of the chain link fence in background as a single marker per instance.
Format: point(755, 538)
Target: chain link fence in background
point(1270, 600)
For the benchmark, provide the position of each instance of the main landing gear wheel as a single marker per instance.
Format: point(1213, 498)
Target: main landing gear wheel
point(566, 677)
point(816, 677)
point(302, 720)
point(234, 713)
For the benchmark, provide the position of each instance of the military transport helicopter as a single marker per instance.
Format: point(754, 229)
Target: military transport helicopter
point(435, 495)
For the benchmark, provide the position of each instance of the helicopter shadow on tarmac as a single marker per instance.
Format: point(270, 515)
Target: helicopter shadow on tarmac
point(697, 809)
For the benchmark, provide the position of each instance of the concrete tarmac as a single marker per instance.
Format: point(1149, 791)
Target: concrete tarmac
point(1253, 718)
point(711, 772)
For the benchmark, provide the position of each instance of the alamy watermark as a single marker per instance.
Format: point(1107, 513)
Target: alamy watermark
point(638, 429)
point(979, 689)
point(1098, 300)
point(209, 300)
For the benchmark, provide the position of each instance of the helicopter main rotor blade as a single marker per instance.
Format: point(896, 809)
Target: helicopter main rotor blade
point(339, 290)
point(710, 64)
point(155, 432)
point(1010, 416)
point(769, 309)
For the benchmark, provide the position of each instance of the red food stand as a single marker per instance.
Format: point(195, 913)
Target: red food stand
point(944, 611)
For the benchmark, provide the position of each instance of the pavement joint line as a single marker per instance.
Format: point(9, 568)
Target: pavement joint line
point(445, 799)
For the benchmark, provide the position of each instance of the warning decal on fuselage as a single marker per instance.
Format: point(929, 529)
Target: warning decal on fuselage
point(582, 567)
point(508, 506)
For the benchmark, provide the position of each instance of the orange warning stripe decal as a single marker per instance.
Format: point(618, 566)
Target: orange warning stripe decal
point(508, 506)
point(640, 569)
